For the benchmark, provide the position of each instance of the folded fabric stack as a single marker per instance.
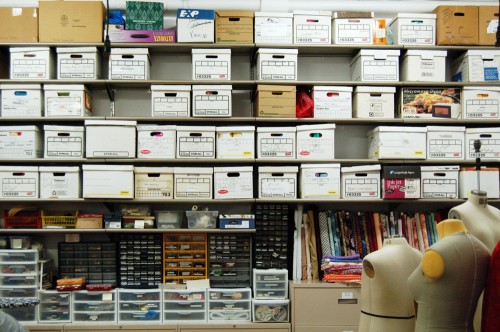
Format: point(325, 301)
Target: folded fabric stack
point(342, 268)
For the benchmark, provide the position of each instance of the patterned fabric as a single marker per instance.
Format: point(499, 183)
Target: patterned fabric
point(14, 302)
point(324, 234)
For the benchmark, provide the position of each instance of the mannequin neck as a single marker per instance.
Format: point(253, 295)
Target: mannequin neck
point(449, 227)
point(395, 241)
point(478, 198)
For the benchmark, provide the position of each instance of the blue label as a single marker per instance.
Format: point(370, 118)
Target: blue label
point(457, 77)
point(491, 74)
point(197, 14)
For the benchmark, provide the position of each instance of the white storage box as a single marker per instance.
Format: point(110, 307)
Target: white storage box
point(352, 31)
point(195, 26)
point(193, 182)
point(21, 100)
point(154, 141)
point(211, 64)
point(276, 142)
point(154, 182)
point(373, 102)
point(476, 66)
point(489, 177)
point(21, 142)
point(19, 182)
point(273, 28)
point(490, 143)
point(312, 27)
point(270, 283)
point(424, 66)
point(396, 142)
point(278, 182)
point(235, 142)
point(233, 182)
point(195, 142)
point(401, 182)
point(414, 29)
point(129, 64)
point(171, 100)
point(332, 102)
point(108, 181)
point(316, 141)
point(59, 182)
point(78, 63)
point(110, 139)
point(439, 181)
point(72, 100)
point(64, 141)
point(320, 181)
point(32, 63)
point(270, 311)
point(361, 182)
point(375, 65)
point(277, 64)
point(445, 143)
point(481, 102)
point(212, 100)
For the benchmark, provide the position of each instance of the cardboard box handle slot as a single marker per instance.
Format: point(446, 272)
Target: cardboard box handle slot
point(156, 133)
point(76, 56)
point(332, 94)
point(417, 21)
point(485, 135)
point(20, 93)
point(62, 134)
point(277, 174)
point(375, 95)
point(275, 93)
point(153, 175)
point(278, 56)
point(233, 175)
point(211, 56)
point(29, 55)
point(316, 135)
point(127, 56)
point(276, 135)
point(18, 174)
point(63, 94)
point(59, 174)
point(312, 21)
point(321, 175)
point(361, 174)
point(234, 19)
point(459, 14)
point(212, 92)
point(439, 174)
point(170, 94)
point(195, 134)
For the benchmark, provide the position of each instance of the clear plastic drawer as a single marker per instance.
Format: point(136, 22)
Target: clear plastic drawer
point(84, 296)
point(184, 316)
point(94, 306)
point(235, 315)
point(142, 296)
point(91, 317)
point(140, 316)
point(20, 291)
point(18, 280)
point(18, 256)
point(229, 305)
point(22, 314)
point(139, 306)
point(18, 268)
point(184, 305)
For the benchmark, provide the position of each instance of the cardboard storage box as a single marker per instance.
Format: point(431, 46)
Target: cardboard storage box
point(375, 65)
point(118, 34)
point(332, 102)
point(64, 141)
point(276, 64)
point(21, 100)
point(21, 142)
point(241, 221)
point(32, 63)
point(445, 143)
point(277, 101)
point(490, 143)
point(195, 142)
point(360, 182)
point(212, 100)
point(487, 25)
point(89, 220)
point(276, 142)
point(170, 100)
point(489, 177)
point(436, 103)
point(385, 142)
point(414, 29)
point(457, 25)
point(439, 181)
point(373, 102)
point(193, 182)
point(154, 182)
point(401, 182)
point(129, 64)
point(140, 15)
point(19, 182)
point(312, 27)
point(78, 63)
point(11, 17)
point(234, 26)
point(424, 66)
point(59, 182)
point(476, 66)
point(195, 26)
point(108, 181)
point(110, 139)
point(154, 141)
point(278, 182)
point(67, 100)
point(211, 64)
point(352, 30)
point(273, 28)
point(316, 141)
point(480, 102)
point(233, 182)
point(320, 181)
point(71, 21)
point(235, 142)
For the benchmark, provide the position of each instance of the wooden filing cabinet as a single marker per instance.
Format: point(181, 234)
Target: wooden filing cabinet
point(45, 328)
point(119, 327)
point(243, 327)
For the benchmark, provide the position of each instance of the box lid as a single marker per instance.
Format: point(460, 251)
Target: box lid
point(375, 89)
point(362, 168)
point(156, 87)
point(278, 51)
point(426, 54)
point(18, 168)
point(320, 166)
point(332, 88)
point(66, 50)
point(399, 129)
point(195, 14)
point(108, 168)
point(237, 128)
point(153, 127)
point(276, 129)
point(233, 169)
point(482, 88)
point(483, 169)
point(196, 128)
point(212, 87)
point(63, 128)
point(454, 168)
point(416, 15)
point(484, 54)
point(392, 172)
point(21, 87)
point(110, 123)
point(193, 170)
point(445, 128)
point(132, 51)
point(482, 130)
point(354, 15)
point(211, 51)
point(64, 87)
point(276, 88)
point(234, 13)
point(378, 53)
point(153, 170)
point(278, 169)
point(29, 49)
point(274, 14)
point(316, 126)
point(70, 169)
point(313, 12)
point(19, 128)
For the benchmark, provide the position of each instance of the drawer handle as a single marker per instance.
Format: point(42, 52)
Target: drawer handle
point(347, 301)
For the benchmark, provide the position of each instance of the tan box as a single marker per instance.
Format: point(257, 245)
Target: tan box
point(89, 220)
point(71, 21)
point(11, 18)
point(457, 25)
point(276, 101)
point(488, 23)
point(234, 26)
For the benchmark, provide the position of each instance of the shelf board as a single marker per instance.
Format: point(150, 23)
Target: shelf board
point(328, 49)
point(236, 84)
point(42, 119)
point(236, 48)
point(100, 83)
point(121, 230)
point(177, 120)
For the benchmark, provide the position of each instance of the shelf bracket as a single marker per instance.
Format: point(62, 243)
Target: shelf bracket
point(111, 96)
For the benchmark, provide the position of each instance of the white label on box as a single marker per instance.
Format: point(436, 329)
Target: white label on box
point(492, 26)
point(417, 34)
point(131, 70)
point(278, 187)
point(18, 187)
point(192, 187)
point(277, 70)
point(216, 105)
point(353, 33)
point(481, 109)
point(361, 187)
point(29, 68)
point(206, 69)
point(312, 33)
point(380, 70)
point(66, 106)
point(277, 147)
point(196, 147)
point(439, 188)
point(156, 144)
point(490, 148)
point(157, 188)
point(170, 106)
point(77, 68)
point(347, 295)
point(314, 184)
point(333, 107)
point(235, 144)
point(445, 148)
point(17, 144)
point(274, 29)
point(59, 186)
point(244, 224)
point(26, 106)
point(234, 187)
point(60, 146)
point(316, 146)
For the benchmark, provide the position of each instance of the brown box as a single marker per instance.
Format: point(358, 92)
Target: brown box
point(234, 26)
point(488, 23)
point(457, 25)
point(19, 25)
point(276, 101)
point(89, 221)
point(71, 21)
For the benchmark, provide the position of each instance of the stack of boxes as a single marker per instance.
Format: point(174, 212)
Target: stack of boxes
point(270, 302)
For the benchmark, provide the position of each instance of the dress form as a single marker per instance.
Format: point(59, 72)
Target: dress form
point(386, 303)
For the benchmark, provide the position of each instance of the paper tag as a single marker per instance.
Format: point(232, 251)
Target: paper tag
point(347, 295)
point(115, 224)
point(139, 224)
point(107, 297)
point(492, 27)
point(273, 29)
